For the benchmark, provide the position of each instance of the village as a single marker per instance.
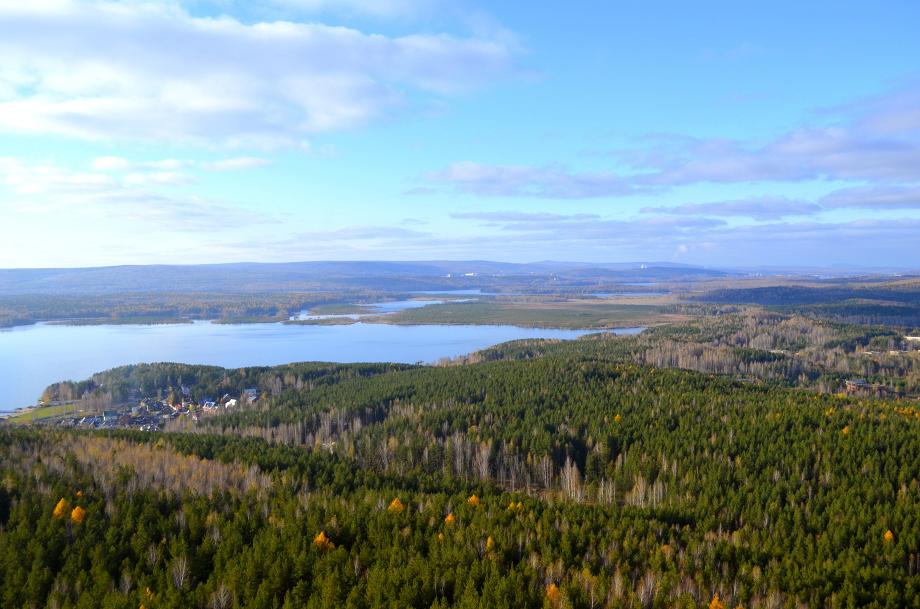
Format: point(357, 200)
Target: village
point(149, 413)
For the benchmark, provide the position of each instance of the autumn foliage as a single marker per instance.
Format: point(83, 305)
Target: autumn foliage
point(62, 507)
point(78, 515)
point(396, 506)
point(322, 542)
point(553, 595)
point(473, 501)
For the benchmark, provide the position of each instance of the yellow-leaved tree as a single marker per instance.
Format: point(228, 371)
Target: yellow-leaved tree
point(396, 506)
point(62, 507)
point(553, 595)
point(78, 515)
point(322, 542)
point(715, 603)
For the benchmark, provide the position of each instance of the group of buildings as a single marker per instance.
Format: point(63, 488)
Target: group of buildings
point(153, 414)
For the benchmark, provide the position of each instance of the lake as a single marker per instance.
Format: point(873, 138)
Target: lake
point(32, 357)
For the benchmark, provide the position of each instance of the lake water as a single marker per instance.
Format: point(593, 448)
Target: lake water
point(32, 357)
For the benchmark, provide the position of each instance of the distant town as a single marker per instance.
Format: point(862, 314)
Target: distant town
point(143, 414)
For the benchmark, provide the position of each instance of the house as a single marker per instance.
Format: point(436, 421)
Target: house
point(250, 395)
point(854, 385)
point(231, 403)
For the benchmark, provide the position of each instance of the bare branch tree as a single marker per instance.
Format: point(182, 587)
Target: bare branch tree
point(180, 572)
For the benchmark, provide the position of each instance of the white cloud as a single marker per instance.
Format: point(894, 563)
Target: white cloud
point(875, 141)
point(698, 240)
point(52, 191)
point(31, 179)
point(101, 70)
point(171, 166)
point(236, 164)
point(877, 198)
point(374, 8)
point(760, 208)
point(551, 181)
point(111, 163)
point(162, 178)
point(874, 197)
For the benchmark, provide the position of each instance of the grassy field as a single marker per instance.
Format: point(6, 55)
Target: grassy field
point(565, 314)
point(340, 309)
point(41, 412)
point(328, 321)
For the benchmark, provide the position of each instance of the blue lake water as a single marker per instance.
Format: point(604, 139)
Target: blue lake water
point(32, 357)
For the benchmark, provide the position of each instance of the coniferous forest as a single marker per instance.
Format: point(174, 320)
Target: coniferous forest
point(553, 475)
point(456, 304)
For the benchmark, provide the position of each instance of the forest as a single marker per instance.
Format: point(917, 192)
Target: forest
point(875, 300)
point(165, 307)
point(535, 474)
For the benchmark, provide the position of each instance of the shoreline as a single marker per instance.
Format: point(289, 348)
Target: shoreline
point(9, 414)
point(347, 320)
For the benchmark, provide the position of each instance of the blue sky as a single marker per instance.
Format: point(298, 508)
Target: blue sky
point(715, 133)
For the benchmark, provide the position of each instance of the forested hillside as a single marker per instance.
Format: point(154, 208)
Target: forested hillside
point(891, 302)
point(563, 480)
point(756, 346)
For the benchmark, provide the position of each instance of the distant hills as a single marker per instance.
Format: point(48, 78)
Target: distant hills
point(325, 275)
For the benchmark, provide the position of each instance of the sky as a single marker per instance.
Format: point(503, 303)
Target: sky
point(724, 134)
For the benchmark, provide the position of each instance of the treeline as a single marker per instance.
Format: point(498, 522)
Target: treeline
point(792, 295)
point(169, 307)
point(174, 381)
point(752, 344)
point(905, 314)
point(894, 303)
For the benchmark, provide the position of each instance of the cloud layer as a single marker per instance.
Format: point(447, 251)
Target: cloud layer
point(875, 141)
point(149, 70)
point(46, 193)
point(549, 182)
